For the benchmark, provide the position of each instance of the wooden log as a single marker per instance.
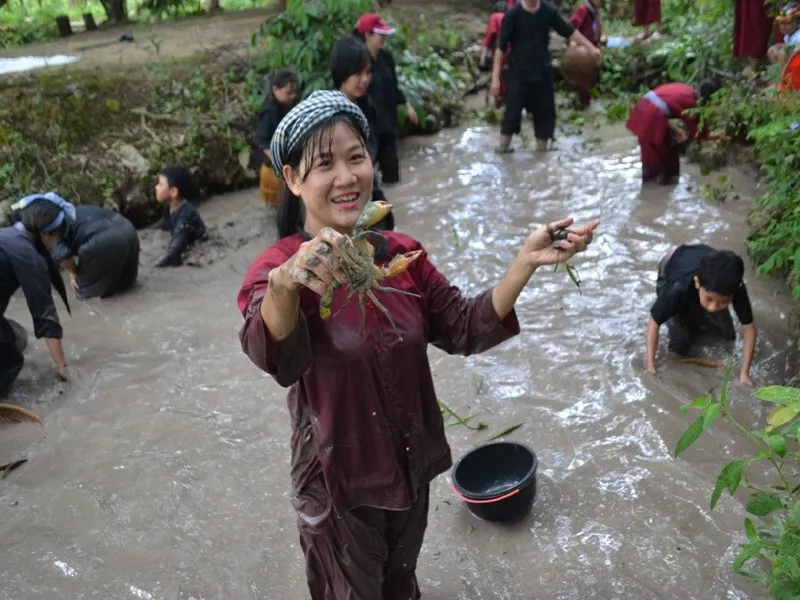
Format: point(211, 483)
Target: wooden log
point(88, 20)
point(64, 27)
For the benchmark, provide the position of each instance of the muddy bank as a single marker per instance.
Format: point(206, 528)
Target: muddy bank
point(164, 474)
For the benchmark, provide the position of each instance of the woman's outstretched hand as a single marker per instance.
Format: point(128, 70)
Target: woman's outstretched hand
point(539, 250)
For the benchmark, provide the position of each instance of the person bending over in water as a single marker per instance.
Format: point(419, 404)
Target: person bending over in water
point(368, 436)
point(25, 263)
point(696, 285)
point(659, 141)
point(174, 190)
point(104, 242)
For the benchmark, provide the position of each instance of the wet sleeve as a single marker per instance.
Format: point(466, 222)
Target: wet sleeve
point(506, 35)
point(60, 251)
point(561, 26)
point(742, 306)
point(401, 97)
point(492, 33)
point(35, 284)
point(457, 324)
point(287, 360)
point(668, 303)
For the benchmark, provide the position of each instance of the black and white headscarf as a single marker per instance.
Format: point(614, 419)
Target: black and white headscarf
point(304, 117)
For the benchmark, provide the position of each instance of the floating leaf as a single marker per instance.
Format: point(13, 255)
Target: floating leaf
point(7, 468)
point(505, 432)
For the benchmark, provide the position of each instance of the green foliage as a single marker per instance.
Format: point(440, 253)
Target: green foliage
point(775, 544)
point(301, 39)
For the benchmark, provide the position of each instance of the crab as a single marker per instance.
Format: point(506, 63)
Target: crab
point(361, 274)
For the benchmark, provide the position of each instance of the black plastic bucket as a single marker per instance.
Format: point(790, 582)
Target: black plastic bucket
point(497, 481)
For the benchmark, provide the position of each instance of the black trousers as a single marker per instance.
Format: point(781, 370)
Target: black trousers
point(388, 161)
point(13, 340)
point(684, 327)
point(538, 98)
point(109, 262)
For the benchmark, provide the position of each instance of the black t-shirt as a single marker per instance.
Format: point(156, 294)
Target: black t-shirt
point(528, 33)
point(385, 93)
point(186, 226)
point(269, 116)
point(679, 292)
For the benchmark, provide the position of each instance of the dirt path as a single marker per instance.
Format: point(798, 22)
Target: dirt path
point(168, 39)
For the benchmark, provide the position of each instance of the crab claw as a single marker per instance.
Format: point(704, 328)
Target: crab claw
point(373, 213)
point(397, 266)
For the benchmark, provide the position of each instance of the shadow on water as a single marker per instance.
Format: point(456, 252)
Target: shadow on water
point(164, 472)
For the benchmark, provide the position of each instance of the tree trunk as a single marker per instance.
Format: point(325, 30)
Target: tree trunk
point(214, 6)
point(116, 10)
point(64, 27)
point(88, 20)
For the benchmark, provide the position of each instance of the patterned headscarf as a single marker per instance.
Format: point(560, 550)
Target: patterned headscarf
point(67, 209)
point(304, 117)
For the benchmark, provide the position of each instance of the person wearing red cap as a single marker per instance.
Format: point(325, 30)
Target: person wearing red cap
point(385, 93)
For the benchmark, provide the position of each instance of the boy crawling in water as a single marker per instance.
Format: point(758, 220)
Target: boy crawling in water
point(174, 189)
point(696, 285)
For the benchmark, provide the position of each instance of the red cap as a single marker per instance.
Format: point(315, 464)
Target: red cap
point(373, 23)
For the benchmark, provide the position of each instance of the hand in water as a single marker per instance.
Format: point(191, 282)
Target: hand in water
point(73, 281)
point(538, 249)
point(67, 374)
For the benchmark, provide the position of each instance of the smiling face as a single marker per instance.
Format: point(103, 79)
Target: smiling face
point(333, 179)
point(356, 86)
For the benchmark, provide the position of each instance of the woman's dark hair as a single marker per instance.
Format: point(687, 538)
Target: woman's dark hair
point(707, 88)
point(290, 216)
point(180, 177)
point(281, 78)
point(358, 35)
point(349, 56)
point(35, 217)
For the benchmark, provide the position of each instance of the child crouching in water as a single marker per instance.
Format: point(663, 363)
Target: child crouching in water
point(174, 190)
point(282, 96)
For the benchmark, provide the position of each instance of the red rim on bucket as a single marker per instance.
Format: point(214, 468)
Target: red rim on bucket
point(461, 496)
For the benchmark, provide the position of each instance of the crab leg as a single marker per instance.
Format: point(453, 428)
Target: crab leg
point(385, 311)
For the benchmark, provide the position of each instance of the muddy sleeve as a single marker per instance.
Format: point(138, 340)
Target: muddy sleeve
point(35, 284)
point(60, 251)
point(668, 303)
point(561, 26)
point(742, 306)
point(457, 324)
point(506, 35)
point(286, 360)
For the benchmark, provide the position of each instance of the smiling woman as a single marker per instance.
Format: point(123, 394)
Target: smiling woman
point(368, 436)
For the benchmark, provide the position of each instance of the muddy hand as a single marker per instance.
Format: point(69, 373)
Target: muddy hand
point(544, 246)
point(315, 265)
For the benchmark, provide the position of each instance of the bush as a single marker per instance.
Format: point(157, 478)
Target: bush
point(772, 545)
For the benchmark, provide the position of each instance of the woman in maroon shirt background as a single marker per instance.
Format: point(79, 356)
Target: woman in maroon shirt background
point(752, 29)
point(367, 434)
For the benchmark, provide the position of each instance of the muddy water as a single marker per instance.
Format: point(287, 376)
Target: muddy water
point(163, 473)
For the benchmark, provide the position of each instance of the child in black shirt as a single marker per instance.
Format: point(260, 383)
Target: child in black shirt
point(174, 188)
point(282, 96)
point(696, 285)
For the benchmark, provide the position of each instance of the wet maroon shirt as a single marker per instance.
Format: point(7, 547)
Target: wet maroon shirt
point(363, 408)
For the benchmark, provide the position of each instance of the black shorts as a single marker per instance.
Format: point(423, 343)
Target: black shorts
point(538, 98)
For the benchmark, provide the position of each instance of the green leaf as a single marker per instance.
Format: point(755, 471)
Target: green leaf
point(689, 436)
point(776, 442)
point(750, 530)
point(778, 394)
point(797, 512)
point(729, 479)
point(700, 402)
point(761, 504)
point(710, 414)
point(782, 415)
point(749, 551)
